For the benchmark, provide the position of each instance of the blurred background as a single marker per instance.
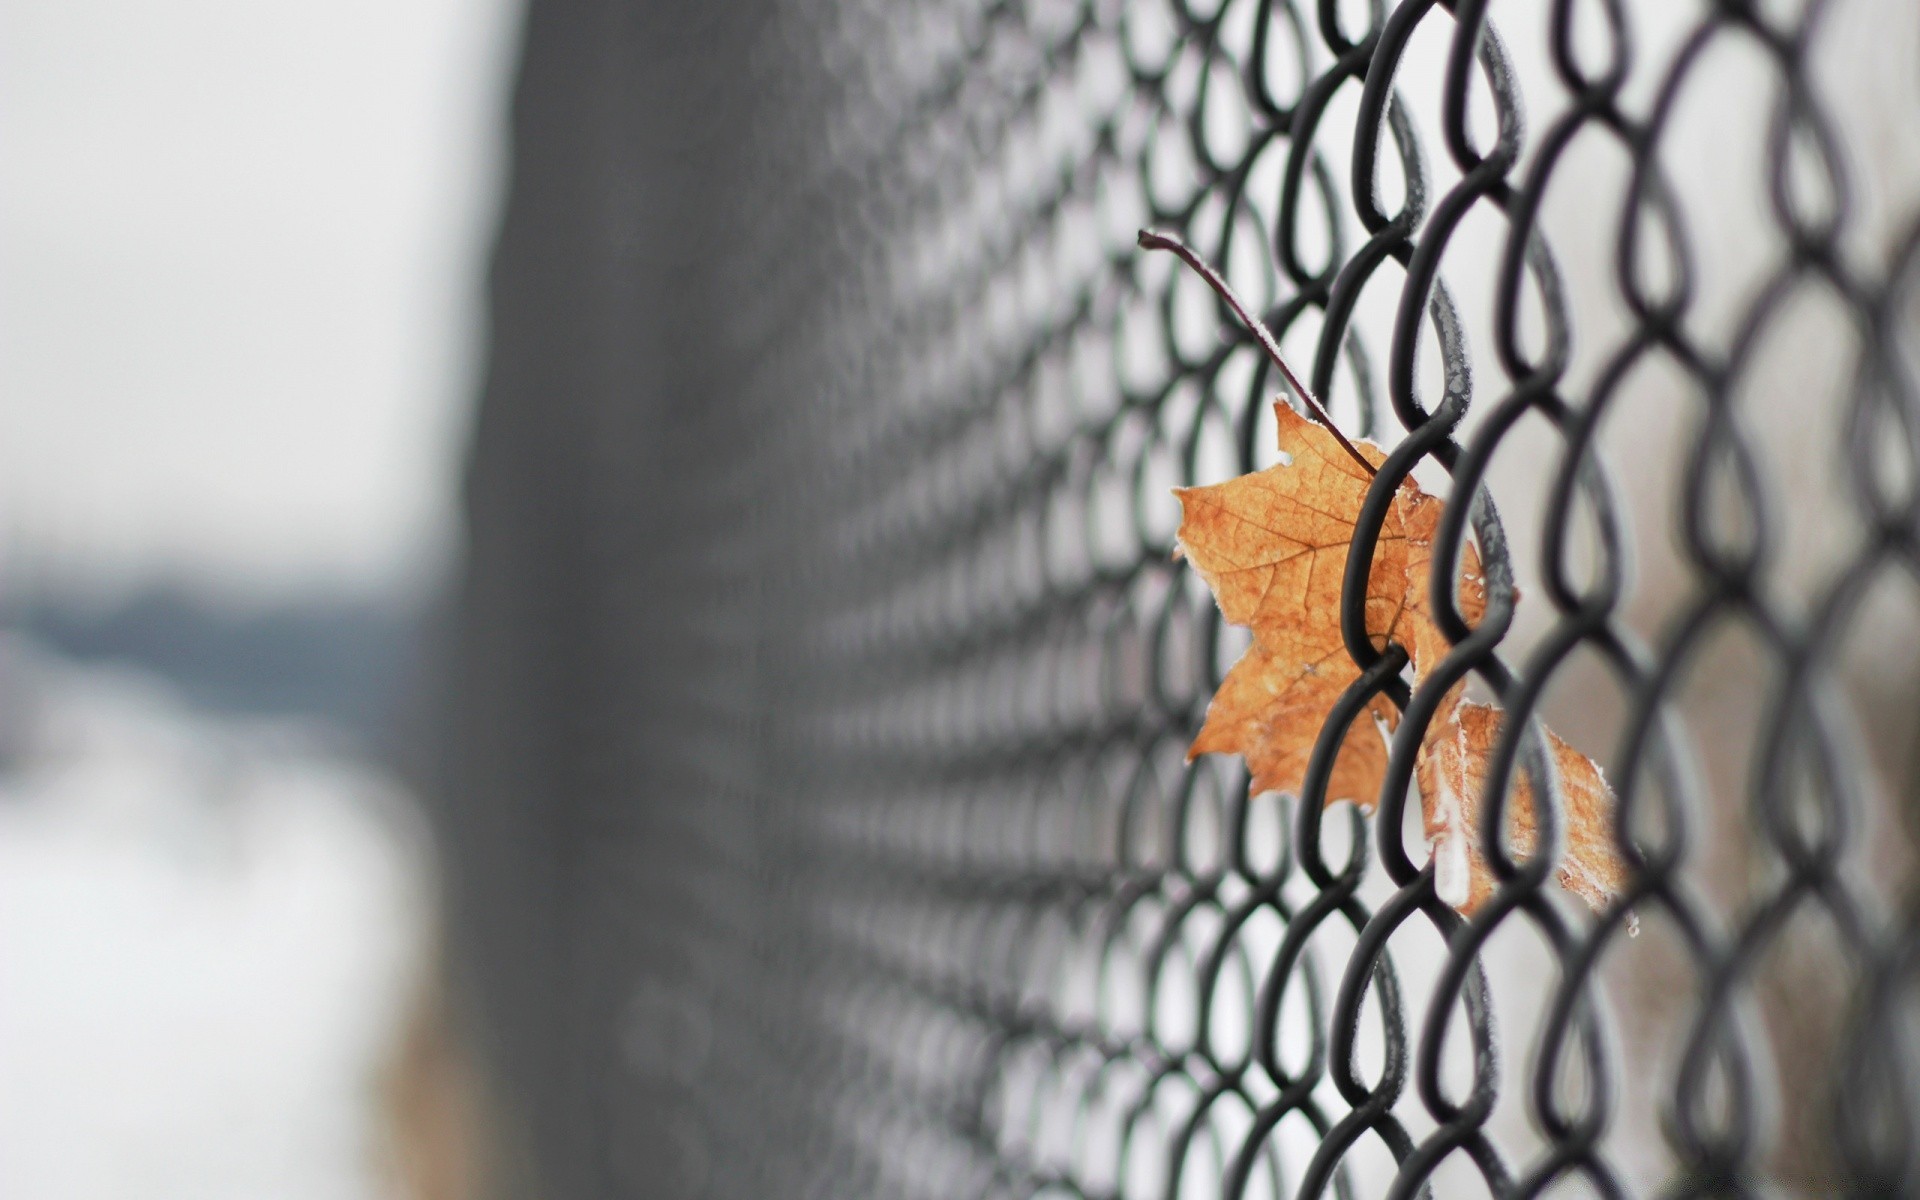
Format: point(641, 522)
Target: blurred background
point(241, 255)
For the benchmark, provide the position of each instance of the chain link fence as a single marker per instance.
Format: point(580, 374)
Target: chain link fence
point(816, 801)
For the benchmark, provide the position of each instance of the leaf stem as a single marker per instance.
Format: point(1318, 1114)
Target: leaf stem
point(1150, 240)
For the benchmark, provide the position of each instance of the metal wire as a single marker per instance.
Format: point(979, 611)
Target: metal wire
point(816, 803)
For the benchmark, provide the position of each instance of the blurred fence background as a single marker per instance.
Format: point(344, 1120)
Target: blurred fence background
point(241, 257)
point(814, 798)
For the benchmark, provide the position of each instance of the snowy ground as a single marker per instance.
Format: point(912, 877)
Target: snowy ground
point(209, 933)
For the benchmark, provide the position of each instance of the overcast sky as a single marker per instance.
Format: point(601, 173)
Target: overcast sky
point(240, 250)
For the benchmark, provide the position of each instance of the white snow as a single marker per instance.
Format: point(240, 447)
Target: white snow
point(209, 933)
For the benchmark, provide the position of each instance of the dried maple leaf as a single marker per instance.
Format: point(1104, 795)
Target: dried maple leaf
point(1272, 545)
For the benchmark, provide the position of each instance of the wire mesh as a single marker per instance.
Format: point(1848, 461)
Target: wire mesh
point(817, 805)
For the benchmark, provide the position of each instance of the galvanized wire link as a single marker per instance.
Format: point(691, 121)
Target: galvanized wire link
point(819, 817)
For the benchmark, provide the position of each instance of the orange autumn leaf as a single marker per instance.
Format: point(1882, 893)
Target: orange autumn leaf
point(1272, 545)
